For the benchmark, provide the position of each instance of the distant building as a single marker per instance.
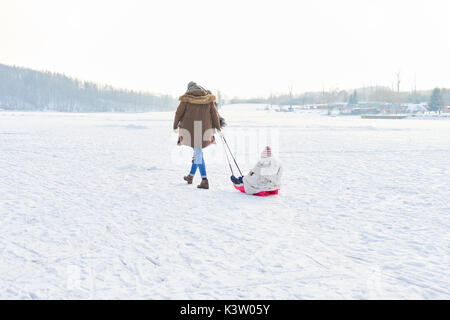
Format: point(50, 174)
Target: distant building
point(359, 111)
point(414, 108)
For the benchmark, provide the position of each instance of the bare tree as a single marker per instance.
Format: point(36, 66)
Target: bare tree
point(398, 80)
point(290, 96)
point(219, 99)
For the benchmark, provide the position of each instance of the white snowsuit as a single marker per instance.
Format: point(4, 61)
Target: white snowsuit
point(266, 176)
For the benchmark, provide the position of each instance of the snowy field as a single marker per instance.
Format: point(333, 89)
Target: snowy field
point(93, 206)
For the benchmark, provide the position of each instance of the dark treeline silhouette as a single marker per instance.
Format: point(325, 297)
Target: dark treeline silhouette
point(375, 94)
point(26, 89)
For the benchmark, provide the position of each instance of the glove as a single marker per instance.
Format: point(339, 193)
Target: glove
point(176, 130)
point(236, 180)
point(220, 133)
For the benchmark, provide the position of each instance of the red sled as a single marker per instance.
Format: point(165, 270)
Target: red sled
point(259, 194)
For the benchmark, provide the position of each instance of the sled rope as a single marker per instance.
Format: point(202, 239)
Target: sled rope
point(228, 159)
point(231, 153)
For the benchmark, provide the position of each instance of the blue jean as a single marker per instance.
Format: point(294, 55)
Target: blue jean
point(198, 162)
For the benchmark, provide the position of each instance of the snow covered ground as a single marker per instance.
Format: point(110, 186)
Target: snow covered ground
point(94, 206)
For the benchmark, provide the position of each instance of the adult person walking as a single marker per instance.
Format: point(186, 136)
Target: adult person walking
point(196, 120)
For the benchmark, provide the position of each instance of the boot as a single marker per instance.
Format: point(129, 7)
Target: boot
point(189, 179)
point(204, 184)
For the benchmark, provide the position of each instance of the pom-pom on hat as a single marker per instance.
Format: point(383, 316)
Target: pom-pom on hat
point(267, 152)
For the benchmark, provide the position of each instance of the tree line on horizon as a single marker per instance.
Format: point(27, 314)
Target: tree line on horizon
point(30, 90)
point(435, 98)
point(26, 89)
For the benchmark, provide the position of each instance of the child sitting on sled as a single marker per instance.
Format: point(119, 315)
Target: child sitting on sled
point(264, 179)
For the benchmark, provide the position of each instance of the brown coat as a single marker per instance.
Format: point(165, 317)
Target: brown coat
point(197, 113)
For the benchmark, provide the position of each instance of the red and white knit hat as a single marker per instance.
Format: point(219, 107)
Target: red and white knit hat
point(267, 152)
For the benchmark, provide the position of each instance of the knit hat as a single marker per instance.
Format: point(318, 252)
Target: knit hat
point(196, 90)
point(192, 85)
point(267, 152)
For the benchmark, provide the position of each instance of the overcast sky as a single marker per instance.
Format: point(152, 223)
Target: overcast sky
point(243, 48)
